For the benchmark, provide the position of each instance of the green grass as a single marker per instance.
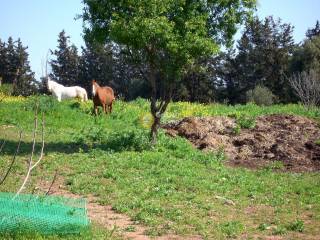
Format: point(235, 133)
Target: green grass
point(95, 232)
point(170, 188)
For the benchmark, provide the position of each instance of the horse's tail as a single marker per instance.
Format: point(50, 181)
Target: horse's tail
point(82, 93)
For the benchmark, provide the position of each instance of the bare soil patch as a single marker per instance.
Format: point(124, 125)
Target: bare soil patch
point(289, 139)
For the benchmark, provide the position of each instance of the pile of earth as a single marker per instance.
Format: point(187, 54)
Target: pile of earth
point(293, 140)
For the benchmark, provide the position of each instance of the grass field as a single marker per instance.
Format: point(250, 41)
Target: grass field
point(170, 188)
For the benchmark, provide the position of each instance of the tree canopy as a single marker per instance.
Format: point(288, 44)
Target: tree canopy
point(168, 36)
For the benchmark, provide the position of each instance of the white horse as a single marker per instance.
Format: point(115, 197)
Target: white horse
point(61, 92)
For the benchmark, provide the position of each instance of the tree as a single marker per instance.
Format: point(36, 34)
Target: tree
point(313, 32)
point(307, 56)
point(199, 83)
point(15, 68)
point(24, 82)
point(129, 78)
point(262, 59)
point(229, 87)
point(3, 60)
point(11, 62)
point(65, 68)
point(168, 35)
point(96, 63)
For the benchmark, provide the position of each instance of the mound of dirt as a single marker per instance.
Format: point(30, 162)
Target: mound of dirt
point(286, 138)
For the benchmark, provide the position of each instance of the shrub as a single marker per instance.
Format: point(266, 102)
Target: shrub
point(307, 87)
point(236, 130)
point(297, 226)
point(231, 229)
point(243, 121)
point(260, 95)
point(246, 121)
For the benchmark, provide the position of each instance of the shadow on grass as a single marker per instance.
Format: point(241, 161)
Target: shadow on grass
point(115, 145)
point(10, 147)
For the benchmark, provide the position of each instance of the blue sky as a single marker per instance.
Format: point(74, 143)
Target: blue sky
point(38, 22)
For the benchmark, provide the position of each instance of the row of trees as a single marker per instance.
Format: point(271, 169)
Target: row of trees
point(265, 55)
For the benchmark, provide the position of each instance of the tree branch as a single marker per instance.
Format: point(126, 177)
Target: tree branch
point(13, 159)
point(143, 74)
point(307, 87)
point(31, 166)
point(2, 145)
point(42, 145)
point(53, 180)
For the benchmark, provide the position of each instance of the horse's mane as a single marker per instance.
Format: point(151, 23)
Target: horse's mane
point(96, 87)
point(54, 83)
point(94, 82)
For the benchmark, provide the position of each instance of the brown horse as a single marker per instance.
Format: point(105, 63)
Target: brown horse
point(102, 96)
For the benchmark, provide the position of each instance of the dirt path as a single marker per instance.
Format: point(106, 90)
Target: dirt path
point(108, 218)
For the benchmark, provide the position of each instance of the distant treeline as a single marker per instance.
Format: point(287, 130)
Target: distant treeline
point(263, 60)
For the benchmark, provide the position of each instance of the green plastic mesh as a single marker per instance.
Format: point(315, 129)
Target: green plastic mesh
point(43, 214)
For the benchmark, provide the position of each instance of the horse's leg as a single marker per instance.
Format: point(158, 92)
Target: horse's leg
point(58, 96)
point(84, 97)
point(105, 108)
point(110, 107)
point(95, 109)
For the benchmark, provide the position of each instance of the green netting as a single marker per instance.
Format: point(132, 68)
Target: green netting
point(43, 214)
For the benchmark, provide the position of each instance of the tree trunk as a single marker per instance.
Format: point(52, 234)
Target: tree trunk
point(157, 110)
point(153, 107)
point(15, 82)
point(154, 129)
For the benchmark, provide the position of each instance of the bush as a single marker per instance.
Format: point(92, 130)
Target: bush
point(242, 121)
point(231, 229)
point(297, 226)
point(307, 87)
point(260, 95)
